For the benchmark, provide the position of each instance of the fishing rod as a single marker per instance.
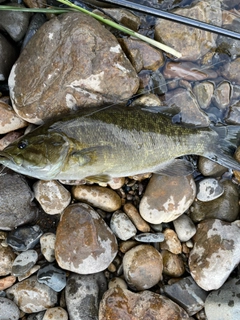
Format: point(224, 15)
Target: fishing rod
point(175, 17)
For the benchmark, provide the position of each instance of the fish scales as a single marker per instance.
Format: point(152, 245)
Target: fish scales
point(113, 142)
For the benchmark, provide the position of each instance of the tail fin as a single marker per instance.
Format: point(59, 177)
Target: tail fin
point(229, 140)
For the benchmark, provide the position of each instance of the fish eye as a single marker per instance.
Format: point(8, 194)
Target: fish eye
point(22, 145)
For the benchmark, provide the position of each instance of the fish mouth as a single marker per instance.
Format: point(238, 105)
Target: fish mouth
point(6, 159)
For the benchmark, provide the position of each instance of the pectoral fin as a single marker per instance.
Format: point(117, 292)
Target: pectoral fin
point(98, 178)
point(85, 156)
point(176, 167)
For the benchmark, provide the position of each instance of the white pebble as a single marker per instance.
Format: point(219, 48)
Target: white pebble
point(122, 226)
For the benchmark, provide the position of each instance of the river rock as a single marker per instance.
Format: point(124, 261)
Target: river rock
point(24, 238)
point(118, 303)
point(24, 262)
point(208, 167)
point(52, 196)
point(187, 294)
point(136, 50)
point(222, 95)
point(52, 87)
point(142, 267)
point(193, 43)
point(7, 282)
point(15, 23)
point(123, 16)
point(231, 71)
point(100, 197)
point(47, 242)
point(56, 313)
point(209, 189)
point(83, 294)
point(122, 226)
point(135, 217)
point(166, 198)
point(53, 277)
point(32, 296)
point(203, 92)
point(187, 103)
point(223, 304)
point(187, 71)
point(173, 265)
point(8, 310)
point(84, 243)
point(171, 242)
point(38, 315)
point(16, 198)
point(9, 120)
point(215, 254)
point(7, 57)
point(150, 237)
point(7, 256)
point(225, 207)
point(184, 228)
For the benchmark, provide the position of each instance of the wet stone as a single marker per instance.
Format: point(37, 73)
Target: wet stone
point(151, 58)
point(223, 304)
point(15, 23)
point(233, 116)
point(26, 275)
point(84, 243)
point(209, 168)
point(100, 197)
point(7, 57)
point(225, 207)
point(231, 71)
point(222, 95)
point(42, 92)
point(142, 267)
point(149, 237)
point(122, 226)
point(166, 198)
point(24, 238)
point(171, 242)
point(187, 71)
point(8, 310)
point(203, 92)
point(53, 277)
point(7, 282)
point(189, 108)
point(118, 303)
point(9, 120)
point(16, 198)
point(83, 294)
point(215, 254)
point(193, 43)
point(7, 257)
point(173, 265)
point(32, 296)
point(47, 242)
point(24, 262)
point(56, 313)
point(184, 228)
point(187, 294)
point(52, 196)
point(36, 316)
point(135, 217)
point(117, 282)
point(209, 189)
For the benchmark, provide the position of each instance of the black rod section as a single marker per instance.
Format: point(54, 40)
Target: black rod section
point(176, 18)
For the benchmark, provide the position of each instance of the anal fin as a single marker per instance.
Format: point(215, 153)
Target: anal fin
point(176, 167)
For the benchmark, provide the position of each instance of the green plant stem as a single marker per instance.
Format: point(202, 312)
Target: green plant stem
point(124, 29)
point(42, 10)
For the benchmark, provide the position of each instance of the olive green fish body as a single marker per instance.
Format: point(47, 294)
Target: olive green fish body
point(112, 142)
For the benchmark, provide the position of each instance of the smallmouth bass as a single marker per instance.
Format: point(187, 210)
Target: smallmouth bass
point(98, 145)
